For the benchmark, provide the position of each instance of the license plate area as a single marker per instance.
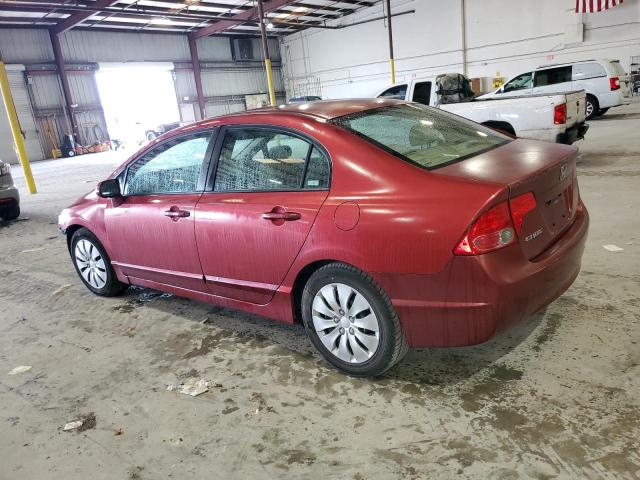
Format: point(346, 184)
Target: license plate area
point(560, 209)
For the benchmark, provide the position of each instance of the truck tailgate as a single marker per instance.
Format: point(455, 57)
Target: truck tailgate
point(576, 108)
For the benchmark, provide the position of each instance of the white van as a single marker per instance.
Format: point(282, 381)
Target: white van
point(604, 81)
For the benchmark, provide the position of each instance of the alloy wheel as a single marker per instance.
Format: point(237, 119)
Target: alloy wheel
point(589, 109)
point(90, 264)
point(345, 323)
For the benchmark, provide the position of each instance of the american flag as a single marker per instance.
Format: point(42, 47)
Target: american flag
point(590, 6)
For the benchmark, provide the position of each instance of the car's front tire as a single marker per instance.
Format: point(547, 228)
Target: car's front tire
point(350, 320)
point(93, 265)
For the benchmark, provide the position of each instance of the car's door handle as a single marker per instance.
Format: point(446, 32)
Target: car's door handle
point(286, 216)
point(176, 213)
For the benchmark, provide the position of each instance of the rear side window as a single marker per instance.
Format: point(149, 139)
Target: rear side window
point(260, 159)
point(399, 92)
point(422, 93)
point(552, 76)
point(423, 136)
point(584, 71)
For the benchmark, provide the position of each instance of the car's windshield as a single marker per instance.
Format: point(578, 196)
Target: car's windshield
point(421, 135)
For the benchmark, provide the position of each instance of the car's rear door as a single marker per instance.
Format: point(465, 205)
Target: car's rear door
point(263, 197)
point(151, 228)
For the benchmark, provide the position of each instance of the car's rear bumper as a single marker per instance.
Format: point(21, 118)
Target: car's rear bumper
point(9, 197)
point(474, 298)
point(573, 134)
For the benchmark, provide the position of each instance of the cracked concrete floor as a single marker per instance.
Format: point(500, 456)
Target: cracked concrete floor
point(555, 397)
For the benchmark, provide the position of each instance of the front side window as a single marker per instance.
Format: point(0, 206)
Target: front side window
point(258, 159)
point(423, 136)
point(398, 92)
point(521, 82)
point(172, 167)
point(552, 76)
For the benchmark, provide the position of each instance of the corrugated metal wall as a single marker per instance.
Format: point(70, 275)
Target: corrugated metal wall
point(85, 46)
point(225, 82)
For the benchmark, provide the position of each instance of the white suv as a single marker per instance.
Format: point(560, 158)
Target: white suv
point(604, 81)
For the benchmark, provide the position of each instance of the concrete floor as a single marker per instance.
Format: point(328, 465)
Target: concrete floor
point(556, 397)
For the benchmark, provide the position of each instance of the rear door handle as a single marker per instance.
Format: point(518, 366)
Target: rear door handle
point(176, 213)
point(286, 216)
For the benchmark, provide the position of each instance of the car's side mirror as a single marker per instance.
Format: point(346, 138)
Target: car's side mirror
point(109, 188)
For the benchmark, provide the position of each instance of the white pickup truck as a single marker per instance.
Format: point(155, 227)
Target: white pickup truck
point(555, 117)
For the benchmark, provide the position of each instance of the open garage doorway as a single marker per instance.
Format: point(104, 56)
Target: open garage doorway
point(139, 101)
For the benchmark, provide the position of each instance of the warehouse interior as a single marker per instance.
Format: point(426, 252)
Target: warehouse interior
point(89, 83)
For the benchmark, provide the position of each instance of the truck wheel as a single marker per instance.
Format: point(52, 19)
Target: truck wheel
point(592, 107)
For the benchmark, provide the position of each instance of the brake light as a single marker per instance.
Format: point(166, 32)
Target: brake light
point(614, 82)
point(560, 114)
point(520, 206)
point(491, 231)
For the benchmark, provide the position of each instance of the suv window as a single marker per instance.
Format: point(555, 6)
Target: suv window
point(584, 71)
point(422, 92)
point(399, 92)
point(552, 76)
point(519, 83)
point(259, 159)
point(172, 167)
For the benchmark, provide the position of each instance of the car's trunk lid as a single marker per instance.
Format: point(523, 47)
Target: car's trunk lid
point(545, 169)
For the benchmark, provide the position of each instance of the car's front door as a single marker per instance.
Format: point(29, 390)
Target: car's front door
point(268, 188)
point(151, 228)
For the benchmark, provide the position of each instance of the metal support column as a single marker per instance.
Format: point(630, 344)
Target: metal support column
point(391, 61)
point(66, 91)
point(14, 122)
point(463, 22)
point(195, 65)
point(267, 59)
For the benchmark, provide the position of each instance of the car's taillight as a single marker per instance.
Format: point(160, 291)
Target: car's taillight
point(560, 114)
point(614, 82)
point(492, 230)
point(520, 206)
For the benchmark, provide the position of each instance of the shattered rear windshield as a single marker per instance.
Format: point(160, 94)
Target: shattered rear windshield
point(423, 136)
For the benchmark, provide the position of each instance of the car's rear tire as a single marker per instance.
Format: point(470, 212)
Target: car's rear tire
point(10, 213)
point(592, 107)
point(93, 265)
point(350, 320)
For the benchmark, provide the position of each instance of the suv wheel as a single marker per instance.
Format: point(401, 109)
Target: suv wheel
point(350, 320)
point(592, 107)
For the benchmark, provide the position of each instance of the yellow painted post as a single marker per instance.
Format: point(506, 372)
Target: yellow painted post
point(393, 70)
point(21, 150)
point(272, 90)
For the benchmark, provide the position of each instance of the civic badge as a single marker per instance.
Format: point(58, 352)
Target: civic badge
point(564, 171)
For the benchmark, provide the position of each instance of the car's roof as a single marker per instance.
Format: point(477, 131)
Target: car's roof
point(555, 65)
point(325, 109)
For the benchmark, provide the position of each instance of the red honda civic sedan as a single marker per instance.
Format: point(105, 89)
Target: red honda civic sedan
point(378, 224)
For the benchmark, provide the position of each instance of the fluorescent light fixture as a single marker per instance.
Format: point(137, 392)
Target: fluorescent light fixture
point(162, 21)
point(269, 25)
point(482, 134)
point(427, 123)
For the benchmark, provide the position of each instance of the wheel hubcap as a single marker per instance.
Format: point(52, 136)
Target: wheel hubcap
point(345, 323)
point(90, 264)
point(589, 108)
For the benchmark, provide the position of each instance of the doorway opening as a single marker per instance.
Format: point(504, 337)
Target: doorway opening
point(139, 102)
